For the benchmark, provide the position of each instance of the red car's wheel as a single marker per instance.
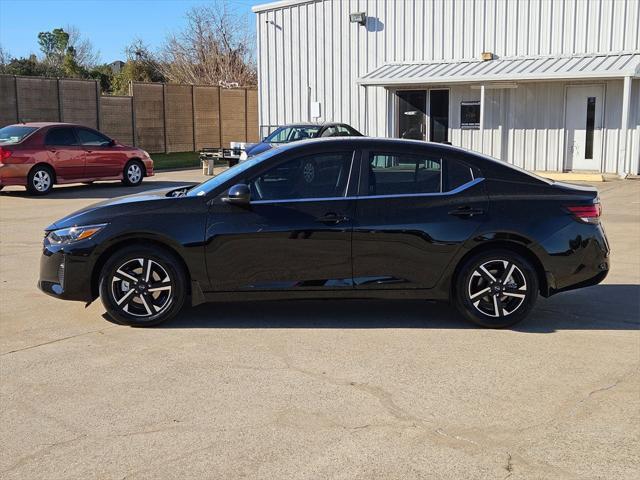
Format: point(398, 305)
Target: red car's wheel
point(40, 180)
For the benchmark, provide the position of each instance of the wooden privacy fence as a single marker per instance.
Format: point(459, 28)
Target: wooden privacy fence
point(157, 117)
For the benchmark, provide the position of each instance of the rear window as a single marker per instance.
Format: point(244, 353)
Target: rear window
point(14, 134)
point(459, 173)
point(61, 136)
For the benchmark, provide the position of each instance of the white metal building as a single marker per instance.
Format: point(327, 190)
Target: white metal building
point(558, 89)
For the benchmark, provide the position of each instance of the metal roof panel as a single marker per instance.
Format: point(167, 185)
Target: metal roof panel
point(601, 65)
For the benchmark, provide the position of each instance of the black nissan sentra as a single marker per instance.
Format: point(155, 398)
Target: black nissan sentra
point(335, 218)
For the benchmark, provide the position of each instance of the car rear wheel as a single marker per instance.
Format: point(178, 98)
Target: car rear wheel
point(142, 286)
point(133, 173)
point(496, 288)
point(40, 180)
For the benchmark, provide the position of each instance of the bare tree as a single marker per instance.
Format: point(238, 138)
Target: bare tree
point(4, 56)
point(215, 48)
point(85, 54)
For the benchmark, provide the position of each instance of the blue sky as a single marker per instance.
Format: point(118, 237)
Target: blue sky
point(109, 24)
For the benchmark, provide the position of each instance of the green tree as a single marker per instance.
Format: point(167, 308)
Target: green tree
point(141, 66)
point(54, 45)
point(25, 66)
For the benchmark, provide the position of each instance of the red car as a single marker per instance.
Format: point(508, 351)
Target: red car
point(39, 155)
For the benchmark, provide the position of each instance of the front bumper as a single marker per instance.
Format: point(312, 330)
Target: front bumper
point(148, 166)
point(66, 273)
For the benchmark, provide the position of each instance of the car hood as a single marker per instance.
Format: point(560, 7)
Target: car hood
point(259, 148)
point(103, 212)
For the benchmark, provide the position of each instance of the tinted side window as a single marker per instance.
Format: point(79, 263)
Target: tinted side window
point(397, 174)
point(331, 131)
point(312, 176)
point(89, 137)
point(61, 136)
point(458, 173)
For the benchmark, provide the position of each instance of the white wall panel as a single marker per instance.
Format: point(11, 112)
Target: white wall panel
point(310, 51)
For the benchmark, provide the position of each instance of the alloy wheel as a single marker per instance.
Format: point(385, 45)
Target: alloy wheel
point(497, 288)
point(134, 173)
point(142, 287)
point(42, 180)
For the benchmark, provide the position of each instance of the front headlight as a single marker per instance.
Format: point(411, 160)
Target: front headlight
point(64, 236)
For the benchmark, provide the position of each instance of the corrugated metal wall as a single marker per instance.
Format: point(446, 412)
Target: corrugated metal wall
point(309, 51)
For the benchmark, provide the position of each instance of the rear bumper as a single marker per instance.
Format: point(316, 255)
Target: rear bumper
point(583, 262)
point(14, 174)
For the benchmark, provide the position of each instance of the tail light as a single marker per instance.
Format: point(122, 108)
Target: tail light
point(4, 154)
point(586, 213)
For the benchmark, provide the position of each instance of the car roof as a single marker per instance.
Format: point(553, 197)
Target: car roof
point(312, 124)
point(373, 141)
point(485, 162)
point(46, 124)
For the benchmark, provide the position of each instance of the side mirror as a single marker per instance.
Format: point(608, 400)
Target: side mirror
point(112, 142)
point(238, 195)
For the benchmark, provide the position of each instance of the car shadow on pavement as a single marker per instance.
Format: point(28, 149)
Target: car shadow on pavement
point(95, 190)
point(602, 307)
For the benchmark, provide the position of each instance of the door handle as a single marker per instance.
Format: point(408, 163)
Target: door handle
point(332, 218)
point(466, 211)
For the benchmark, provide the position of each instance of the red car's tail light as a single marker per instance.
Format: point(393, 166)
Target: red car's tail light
point(586, 213)
point(4, 154)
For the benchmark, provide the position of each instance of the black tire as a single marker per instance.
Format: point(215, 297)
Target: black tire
point(129, 297)
point(485, 297)
point(40, 180)
point(133, 173)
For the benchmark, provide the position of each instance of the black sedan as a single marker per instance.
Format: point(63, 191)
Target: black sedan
point(297, 132)
point(372, 218)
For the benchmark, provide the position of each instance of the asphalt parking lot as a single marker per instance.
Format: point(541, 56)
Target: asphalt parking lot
point(316, 390)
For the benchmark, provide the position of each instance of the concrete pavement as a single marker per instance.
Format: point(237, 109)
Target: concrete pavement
point(316, 390)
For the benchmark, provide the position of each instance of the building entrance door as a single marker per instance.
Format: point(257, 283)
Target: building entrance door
point(439, 116)
point(584, 127)
point(412, 106)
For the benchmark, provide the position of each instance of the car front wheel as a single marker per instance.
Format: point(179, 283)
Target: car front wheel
point(496, 288)
point(142, 286)
point(133, 173)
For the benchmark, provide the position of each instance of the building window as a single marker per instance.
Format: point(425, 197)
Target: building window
point(591, 121)
point(470, 115)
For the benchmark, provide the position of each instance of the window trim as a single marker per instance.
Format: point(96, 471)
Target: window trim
point(455, 191)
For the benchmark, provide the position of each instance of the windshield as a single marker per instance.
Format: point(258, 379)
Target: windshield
point(291, 134)
point(206, 187)
point(14, 134)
